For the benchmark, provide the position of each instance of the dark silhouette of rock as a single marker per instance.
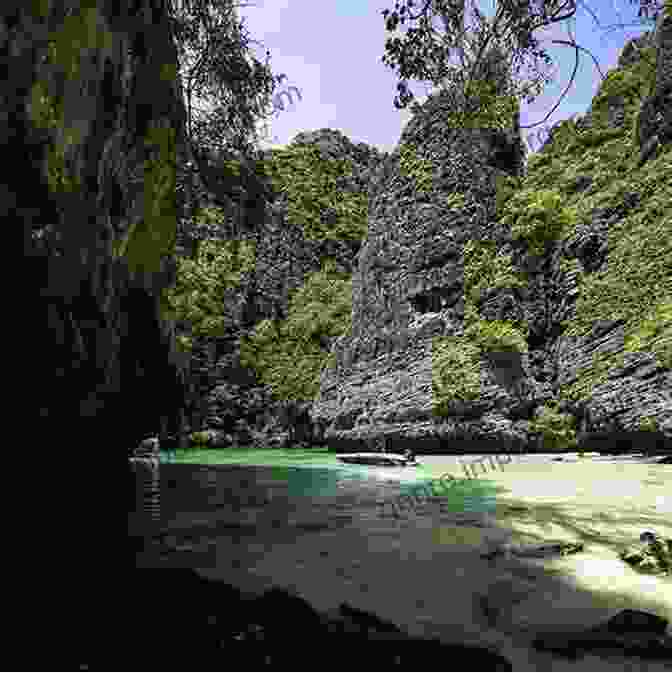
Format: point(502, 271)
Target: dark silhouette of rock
point(630, 632)
point(187, 620)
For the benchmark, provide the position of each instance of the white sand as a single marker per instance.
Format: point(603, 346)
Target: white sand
point(424, 572)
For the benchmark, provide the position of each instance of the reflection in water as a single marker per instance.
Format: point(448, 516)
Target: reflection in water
point(192, 515)
point(172, 491)
point(148, 485)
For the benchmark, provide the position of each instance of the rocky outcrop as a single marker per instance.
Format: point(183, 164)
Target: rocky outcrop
point(630, 632)
point(92, 120)
point(410, 286)
point(79, 195)
point(232, 402)
point(408, 289)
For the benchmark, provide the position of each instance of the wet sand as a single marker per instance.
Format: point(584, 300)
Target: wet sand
point(424, 571)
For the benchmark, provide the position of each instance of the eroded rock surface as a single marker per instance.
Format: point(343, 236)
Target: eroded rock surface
point(409, 286)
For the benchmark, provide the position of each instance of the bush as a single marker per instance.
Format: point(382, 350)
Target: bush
point(557, 429)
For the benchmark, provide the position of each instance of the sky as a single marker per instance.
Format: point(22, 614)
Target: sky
point(331, 51)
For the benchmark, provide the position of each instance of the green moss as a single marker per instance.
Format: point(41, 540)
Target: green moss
point(199, 439)
point(152, 237)
point(497, 336)
point(506, 186)
point(414, 167)
point(79, 32)
point(47, 112)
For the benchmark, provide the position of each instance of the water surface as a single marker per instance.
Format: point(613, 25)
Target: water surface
point(250, 496)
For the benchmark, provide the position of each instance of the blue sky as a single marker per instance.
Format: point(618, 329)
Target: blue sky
point(331, 51)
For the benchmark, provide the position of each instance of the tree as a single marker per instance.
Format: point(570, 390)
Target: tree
point(216, 66)
point(422, 53)
point(218, 72)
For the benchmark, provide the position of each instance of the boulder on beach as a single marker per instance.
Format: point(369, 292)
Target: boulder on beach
point(630, 632)
point(652, 556)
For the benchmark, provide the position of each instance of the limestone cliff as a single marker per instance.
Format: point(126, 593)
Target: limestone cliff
point(92, 127)
point(298, 242)
point(494, 309)
point(94, 122)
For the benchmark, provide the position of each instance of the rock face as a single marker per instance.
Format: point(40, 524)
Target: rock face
point(78, 193)
point(407, 289)
point(409, 284)
point(231, 400)
point(93, 120)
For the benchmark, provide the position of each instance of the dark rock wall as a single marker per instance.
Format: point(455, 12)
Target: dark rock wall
point(97, 361)
point(106, 337)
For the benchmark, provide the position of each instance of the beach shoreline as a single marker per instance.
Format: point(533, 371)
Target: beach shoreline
point(425, 572)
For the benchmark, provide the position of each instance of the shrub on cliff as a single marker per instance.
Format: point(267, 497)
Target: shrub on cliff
point(312, 185)
point(538, 216)
point(289, 355)
point(556, 429)
point(196, 300)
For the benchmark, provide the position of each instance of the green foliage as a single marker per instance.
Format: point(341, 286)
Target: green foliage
point(557, 429)
point(199, 439)
point(289, 356)
point(456, 372)
point(79, 32)
point(484, 108)
point(648, 424)
point(419, 55)
point(570, 266)
point(47, 112)
point(310, 183)
point(538, 217)
point(497, 336)
point(197, 298)
point(218, 68)
point(654, 333)
point(485, 269)
point(507, 186)
point(412, 166)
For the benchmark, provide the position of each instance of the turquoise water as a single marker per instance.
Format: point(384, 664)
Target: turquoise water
point(318, 473)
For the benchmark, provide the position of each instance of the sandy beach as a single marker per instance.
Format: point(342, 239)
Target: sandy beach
point(424, 570)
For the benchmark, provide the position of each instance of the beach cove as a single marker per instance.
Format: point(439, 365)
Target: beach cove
point(424, 570)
